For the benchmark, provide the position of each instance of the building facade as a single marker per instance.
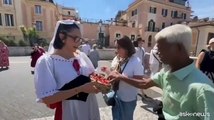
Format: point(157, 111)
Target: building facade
point(202, 33)
point(67, 13)
point(108, 32)
point(9, 19)
point(150, 16)
point(41, 14)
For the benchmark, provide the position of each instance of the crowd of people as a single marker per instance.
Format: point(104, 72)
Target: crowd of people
point(61, 75)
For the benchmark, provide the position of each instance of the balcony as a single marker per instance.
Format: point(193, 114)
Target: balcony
point(149, 29)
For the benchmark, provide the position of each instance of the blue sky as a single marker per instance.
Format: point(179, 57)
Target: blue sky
point(106, 9)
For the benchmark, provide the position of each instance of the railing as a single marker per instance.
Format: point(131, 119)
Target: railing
point(148, 29)
point(96, 21)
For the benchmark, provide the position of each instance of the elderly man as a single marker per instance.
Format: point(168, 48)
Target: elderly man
point(187, 93)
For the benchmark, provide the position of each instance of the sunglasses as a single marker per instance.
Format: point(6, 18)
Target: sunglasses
point(76, 38)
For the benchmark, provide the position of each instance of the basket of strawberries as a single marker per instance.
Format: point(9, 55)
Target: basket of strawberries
point(101, 82)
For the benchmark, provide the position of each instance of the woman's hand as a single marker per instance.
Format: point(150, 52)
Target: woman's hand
point(106, 70)
point(89, 88)
point(115, 76)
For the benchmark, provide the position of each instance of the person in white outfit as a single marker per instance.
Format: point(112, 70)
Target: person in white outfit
point(140, 53)
point(60, 69)
point(94, 56)
point(86, 48)
point(154, 61)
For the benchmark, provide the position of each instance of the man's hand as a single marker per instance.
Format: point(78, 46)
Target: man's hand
point(115, 76)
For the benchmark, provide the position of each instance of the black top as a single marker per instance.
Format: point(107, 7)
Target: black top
point(207, 64)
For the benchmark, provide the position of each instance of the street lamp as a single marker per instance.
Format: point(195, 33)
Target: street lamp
point(100, 41)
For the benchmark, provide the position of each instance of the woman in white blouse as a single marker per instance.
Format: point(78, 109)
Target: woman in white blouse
point(129, 65)
point(63, 65)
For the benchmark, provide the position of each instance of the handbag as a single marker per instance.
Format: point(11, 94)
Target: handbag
point(109, 98)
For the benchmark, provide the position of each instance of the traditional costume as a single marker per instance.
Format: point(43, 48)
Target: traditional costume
point(54, 73)
point(4, 55)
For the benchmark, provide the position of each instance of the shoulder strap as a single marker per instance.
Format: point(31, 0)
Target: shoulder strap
point(156, 57)
point(124, 66)
point(116, 84)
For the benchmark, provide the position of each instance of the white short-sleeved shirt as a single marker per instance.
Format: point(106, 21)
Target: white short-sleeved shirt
point(52, 72)
point(140, 53)
point(134, 67)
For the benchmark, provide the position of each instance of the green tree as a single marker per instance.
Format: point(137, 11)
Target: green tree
point(22, 43)
point(33, 36)
point(30, 35)
point(24, 32)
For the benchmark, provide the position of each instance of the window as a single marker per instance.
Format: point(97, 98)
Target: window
point(133, 24)
point(174, 14)
point(132, 37)
point(134, 12)
point(150, 41)
point(151, 26)
point(171, 23)
point(163, 25)
point(38, 9)
point(118, 35)
point(153, 10)
point(8, 2)
point(164, 12)
point(0, 20)
point(9, 21)
point(184, 16)
point(39, 26)
point(69, 13)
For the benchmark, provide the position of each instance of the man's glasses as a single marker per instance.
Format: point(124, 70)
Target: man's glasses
point(76, 38)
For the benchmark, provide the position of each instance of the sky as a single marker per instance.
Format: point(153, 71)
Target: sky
point(107, 9)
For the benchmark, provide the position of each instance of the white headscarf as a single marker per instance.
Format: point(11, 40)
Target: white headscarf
point(66, 22)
